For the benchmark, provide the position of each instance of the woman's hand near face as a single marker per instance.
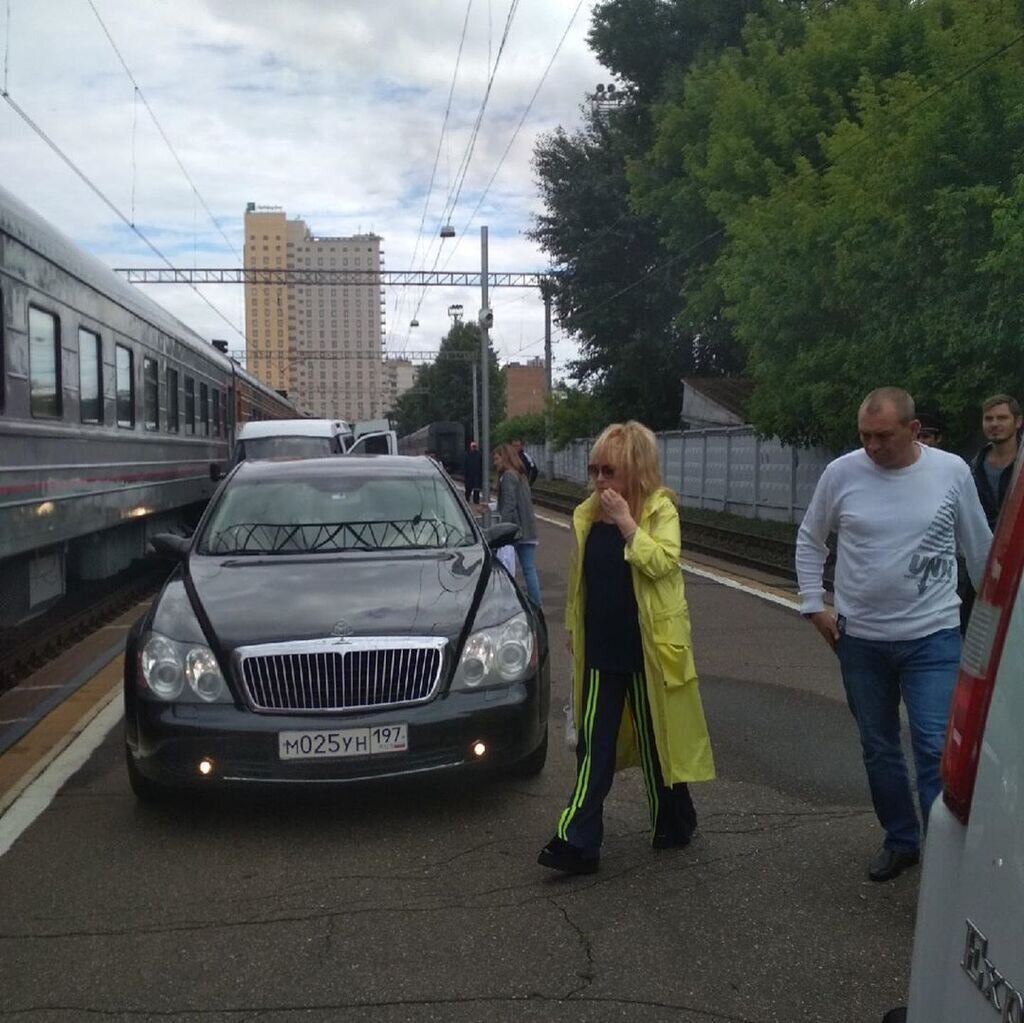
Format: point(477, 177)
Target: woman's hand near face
point(614, 506)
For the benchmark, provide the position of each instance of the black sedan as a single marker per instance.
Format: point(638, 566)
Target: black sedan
point(334, 620)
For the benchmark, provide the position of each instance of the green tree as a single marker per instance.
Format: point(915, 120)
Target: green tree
point(621, 294)
point(444, 390)
point(575, 413)
point(867, 171)
point(530, 427)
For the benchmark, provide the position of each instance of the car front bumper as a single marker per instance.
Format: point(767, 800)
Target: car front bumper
point(168, 741)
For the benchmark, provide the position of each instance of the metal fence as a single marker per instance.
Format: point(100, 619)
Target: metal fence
point(726, 469)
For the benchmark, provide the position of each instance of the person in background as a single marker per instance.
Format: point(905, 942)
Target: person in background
point(515, 504)
point(529, 465)
point(473, 472)
point(901, 511)
point(992, 466)
point(635, 695)
point(930, 433)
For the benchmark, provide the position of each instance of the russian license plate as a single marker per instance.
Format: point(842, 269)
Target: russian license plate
point(345, 742)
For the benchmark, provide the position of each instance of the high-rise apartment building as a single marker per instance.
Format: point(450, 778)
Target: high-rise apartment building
point(322, 342)
point(399, 377)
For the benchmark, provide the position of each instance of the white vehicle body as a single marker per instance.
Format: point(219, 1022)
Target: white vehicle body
point(337, 435)
point(968, 961)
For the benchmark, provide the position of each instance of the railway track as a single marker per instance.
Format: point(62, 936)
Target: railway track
point(27, 647)
point(752, 550)
point(765, 553)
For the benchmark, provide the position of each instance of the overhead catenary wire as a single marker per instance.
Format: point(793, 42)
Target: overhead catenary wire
point(515, 134)
point(159, 127)
point(91, 185)
point(467, 158)
point(440, 143)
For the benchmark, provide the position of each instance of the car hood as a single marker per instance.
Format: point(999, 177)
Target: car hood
point(253, 600)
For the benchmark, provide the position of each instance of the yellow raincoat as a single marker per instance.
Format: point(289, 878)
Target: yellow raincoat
point(684, 746)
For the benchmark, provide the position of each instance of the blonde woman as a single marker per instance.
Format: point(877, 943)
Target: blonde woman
point(515, 504)
point(635, 696)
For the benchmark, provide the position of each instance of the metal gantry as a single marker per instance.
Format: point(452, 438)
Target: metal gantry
point(334, 278)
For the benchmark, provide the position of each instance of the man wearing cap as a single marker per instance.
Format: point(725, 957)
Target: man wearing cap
point(930, 433)
point(473, 472)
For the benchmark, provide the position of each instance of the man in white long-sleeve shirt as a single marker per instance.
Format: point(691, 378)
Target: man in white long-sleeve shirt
point(901, 511)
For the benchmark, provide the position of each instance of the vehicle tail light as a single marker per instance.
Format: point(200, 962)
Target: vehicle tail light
point(983, 648)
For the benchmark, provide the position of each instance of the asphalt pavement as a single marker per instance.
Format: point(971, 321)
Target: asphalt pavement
point(424, 901)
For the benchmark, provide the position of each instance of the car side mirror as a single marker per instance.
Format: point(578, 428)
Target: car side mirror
point(216, 472)
point(167, 545)
point(501, 535)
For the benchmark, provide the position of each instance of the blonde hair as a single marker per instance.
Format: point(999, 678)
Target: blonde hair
point(508, 458)
point(631, 448)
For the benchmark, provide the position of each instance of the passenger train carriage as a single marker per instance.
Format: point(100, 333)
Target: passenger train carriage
point(111, 411)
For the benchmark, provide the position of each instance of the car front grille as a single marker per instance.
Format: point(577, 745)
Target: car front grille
point(341, 675)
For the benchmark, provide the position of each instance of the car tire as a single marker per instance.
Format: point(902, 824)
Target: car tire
point(532, 765)
point(145, 790)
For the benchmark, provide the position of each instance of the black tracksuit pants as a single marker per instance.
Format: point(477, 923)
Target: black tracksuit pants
point(581, 823)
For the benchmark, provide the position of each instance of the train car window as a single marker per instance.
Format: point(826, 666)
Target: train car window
point(124, 375)
point(190, 406)
point(216, 412)
point(150, 394)
point(3, 365)
point(44, 364)
point(173, 423)
point(204, 409)
point(90, 376)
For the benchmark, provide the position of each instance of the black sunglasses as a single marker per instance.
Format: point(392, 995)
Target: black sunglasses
point(607, 471)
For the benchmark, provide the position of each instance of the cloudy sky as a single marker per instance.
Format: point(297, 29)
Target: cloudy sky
point(331, 109)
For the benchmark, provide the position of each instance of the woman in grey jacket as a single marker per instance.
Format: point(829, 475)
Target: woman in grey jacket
point(515, 504)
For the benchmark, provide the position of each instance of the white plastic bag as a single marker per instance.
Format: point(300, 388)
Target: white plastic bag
point(507, 556)
point(570, 726)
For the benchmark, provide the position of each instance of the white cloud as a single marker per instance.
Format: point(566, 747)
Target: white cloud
point(332, 110)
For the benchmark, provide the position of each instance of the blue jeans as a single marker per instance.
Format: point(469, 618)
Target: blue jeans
point(527, 554)
point(876, 674)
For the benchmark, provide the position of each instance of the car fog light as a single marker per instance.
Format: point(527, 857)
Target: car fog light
point(479, 748)
point(206, 767)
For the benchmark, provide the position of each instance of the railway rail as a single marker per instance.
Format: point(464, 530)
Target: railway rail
point(27, 647)
point(765, 553)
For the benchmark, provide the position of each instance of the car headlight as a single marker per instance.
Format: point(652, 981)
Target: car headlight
point(498, 655)
point(181, 671)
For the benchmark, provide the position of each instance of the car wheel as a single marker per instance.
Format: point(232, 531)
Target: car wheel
point(534, 763)
point(145, 790)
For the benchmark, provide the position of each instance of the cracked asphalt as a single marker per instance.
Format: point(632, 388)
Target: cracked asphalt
point(423, 902)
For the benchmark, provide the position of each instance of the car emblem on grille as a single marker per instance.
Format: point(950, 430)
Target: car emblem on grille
point(341, 628)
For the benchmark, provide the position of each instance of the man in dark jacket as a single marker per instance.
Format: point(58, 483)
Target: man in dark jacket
point(529, 465)
point(473, 472)
point(992, 466)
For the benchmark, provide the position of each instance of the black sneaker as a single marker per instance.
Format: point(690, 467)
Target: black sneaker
point(561, 855)
point(889, 863)
point(671, 840)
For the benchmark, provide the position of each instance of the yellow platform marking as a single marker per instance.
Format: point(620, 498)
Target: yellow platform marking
point(32, 753)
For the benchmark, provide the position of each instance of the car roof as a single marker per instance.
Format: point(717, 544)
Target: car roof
point(292, 428)
point(384, 466)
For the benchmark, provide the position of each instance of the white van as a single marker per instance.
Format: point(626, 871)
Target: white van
point(309, 438)
point(968, 962)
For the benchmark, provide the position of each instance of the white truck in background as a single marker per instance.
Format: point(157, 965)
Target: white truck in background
point(308, 438)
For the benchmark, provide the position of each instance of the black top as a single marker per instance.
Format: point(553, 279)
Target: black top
point(611, 620)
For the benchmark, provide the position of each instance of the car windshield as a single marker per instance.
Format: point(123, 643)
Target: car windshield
point(328, 514)
point(287, 447)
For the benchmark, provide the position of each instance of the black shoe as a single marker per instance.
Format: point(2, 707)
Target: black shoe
point(889, 863)
point(671, 840)
point(560, 855)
